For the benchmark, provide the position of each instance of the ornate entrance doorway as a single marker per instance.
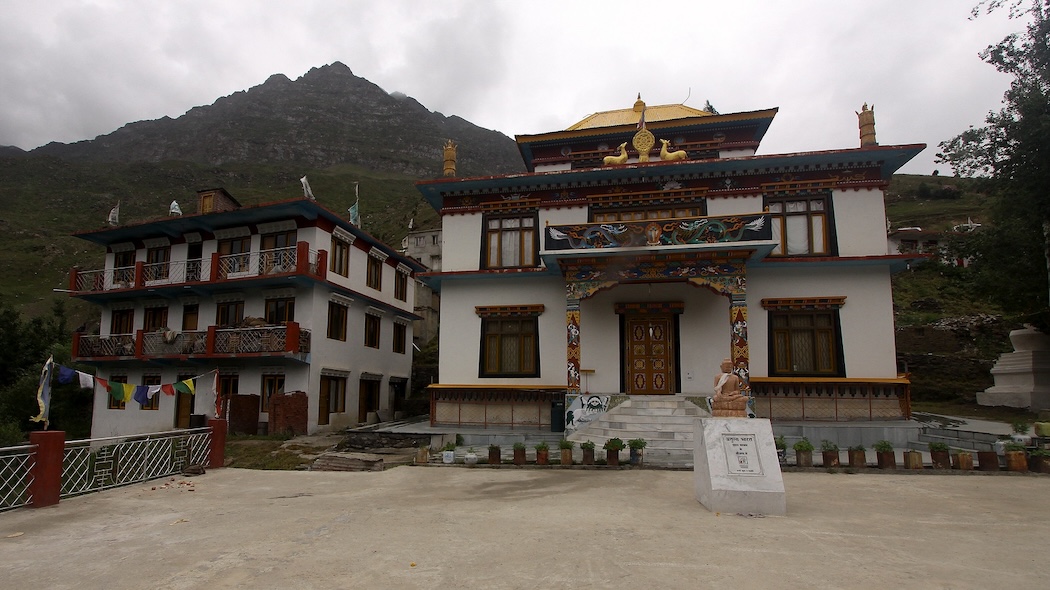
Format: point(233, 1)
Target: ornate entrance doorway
point(649, 354)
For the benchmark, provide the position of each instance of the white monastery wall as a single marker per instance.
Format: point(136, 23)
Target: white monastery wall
point(734, 205)
point(463, 251)
point(860, 222)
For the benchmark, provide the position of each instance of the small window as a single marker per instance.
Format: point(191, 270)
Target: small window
point(271, 385)
point(372, 326)
point(190, 315)
point(229, 313)
point(509, 347)
point(157, 260)
point(805, 343)
point(154, 402)
point(340, 257)
point(154, 318)
point(116, 382)
point(401, 286)
point(375, 273)
point(400, 333)
point(336, 321)
point(510, 242)
point(801, 225)
point(123, 269)
point(279, 311)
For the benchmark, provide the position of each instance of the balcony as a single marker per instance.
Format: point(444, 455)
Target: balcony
point(298, 260)
point(285, 341)
point(683, 233)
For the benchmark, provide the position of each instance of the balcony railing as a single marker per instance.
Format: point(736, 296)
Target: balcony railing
point(299, 259)
point(683, 231)
point(282, 340)
point(831, 399)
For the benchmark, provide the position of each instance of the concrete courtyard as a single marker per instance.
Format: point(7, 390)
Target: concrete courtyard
point(452, 527)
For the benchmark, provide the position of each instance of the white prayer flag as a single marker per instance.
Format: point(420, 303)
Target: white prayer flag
point(174, 208)
point(306, 188)
point(114, 214)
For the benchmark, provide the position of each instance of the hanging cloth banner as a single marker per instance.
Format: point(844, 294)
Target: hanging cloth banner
point(43, 392)
point(167, 389)
point(66, 374)
point(185, 386)
point(140, 393)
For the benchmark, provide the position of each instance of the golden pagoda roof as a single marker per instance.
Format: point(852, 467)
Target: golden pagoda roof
point(653, 114)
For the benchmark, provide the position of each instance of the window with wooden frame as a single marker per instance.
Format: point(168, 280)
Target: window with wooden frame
point(122, 322)
point(400, 286)
point(805, 338)
point(124, 268)
point(336, 321)
point(374, 278)
point(340, 257)
point(228, 385)
point(157, 260)
point(154, 318)
point(234, 255)
point(153, 403)
point(277, 252)
point(271, 385)
point(802, 225)
point(229, 313)
point(509, 340)
point(112, 403)
point(400, 335)
point(190, 317)
point(510, 241)
point(335, 387)
point(279, 311)
point(373, 323)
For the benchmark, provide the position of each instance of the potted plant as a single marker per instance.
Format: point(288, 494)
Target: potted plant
point(830, 453)
point(588, 452)
point(612, 447)
point(858, 456)
point(423, 455)
point(940, 455)
point(542, 453)
point(1020, 428)
point(781, 446)
point(912, 459)
point(636, 445)
point(1015, 458)
point(519, 453)
point(471, 457)
point(566, 445)
point(1039, 461)
point(987, 461)
point(884, 455)
point(494, 454)
point(448, 453)
point(962, 460)
point(803, 453)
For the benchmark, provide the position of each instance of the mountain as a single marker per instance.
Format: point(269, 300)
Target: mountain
point(327, 117)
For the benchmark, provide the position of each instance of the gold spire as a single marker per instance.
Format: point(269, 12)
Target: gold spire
point(450, 158)
point(866, 122)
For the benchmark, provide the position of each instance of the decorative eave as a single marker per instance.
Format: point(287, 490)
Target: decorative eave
point(885, 159)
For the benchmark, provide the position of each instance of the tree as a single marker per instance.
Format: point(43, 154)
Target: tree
point(1011, 258)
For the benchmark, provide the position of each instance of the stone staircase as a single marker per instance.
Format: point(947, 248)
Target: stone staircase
point(955, 438)
point(666, 422)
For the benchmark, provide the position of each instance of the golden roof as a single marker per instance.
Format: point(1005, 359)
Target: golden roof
point(653, 114)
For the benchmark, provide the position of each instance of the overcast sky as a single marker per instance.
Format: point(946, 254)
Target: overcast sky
point(73, 70)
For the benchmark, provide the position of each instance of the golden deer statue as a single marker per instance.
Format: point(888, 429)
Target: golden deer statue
point(675, 155)
point(613, 160)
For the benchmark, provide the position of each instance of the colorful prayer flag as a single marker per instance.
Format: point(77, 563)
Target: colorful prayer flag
point(140, 394)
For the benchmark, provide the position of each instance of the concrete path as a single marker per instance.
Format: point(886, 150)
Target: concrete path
point(451, 527)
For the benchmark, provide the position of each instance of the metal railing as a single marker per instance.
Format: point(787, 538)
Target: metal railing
point(268, 339)
point(266, 262)
point(113, 345)
point(96, 464)
point(169, 343)
point(15, 476)
point(831, 399)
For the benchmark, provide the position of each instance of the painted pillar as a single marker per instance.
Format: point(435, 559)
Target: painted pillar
point(572, 344)
point(738, 335)
point(217, 451)
point(46, 468)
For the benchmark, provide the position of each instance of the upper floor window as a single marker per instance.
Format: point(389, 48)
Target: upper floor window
point(372, 326)
point(154, 318)
point(229, 313)
point(157, 259)
point(190, 316)
point(401, 286)
point(336, 321)
point(115, 399)
point(153, 402)
point(375, 273)
point(340, 257)
point(400, 337)
point(277, 252)
point(280, 310)
point(234, 255)
point(123, 321)
point(123, 268)
point(800, 224)
point(510, 242)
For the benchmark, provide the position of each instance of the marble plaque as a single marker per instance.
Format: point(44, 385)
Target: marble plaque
point(735, 467)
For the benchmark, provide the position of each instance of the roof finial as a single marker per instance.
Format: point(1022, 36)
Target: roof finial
point(866, 122)
point(639, 106)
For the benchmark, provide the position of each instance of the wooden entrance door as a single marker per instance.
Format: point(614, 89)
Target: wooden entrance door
point(650, 354)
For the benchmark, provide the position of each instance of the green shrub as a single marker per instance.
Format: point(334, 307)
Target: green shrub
point(588, 445)
point(519, 446)
point(802, 445)
point(566, 444)
point(543, 446)
point(613, 444)
point(936, 447)
point(827, 445)
point(883, 446)
point(780, 442)
point(637, 443)
point(11, 435)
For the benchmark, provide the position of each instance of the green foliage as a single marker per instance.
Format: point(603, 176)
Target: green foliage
point(827, 445)
point(613, 444)
point(857, 448)
point(883, 446)
point(566, 444)
point(541, 446)
point(803, 446)
point(11, 435)
point(588, 445)
point(449, 446)
point(780, 442)
point(1014, 446)
point(938, 447)
point(1020, 426)
point(519, 446)
point(637, 443)
point(494, 447)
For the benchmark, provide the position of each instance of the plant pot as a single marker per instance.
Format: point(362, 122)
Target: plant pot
point(422, 456)
point(962, 461)
point(470, 458)
point(588, 456)
point(987, 461)
point(448, 457)
point(912, 460)
point(803, 458)
point(941, 459)
point(857, 459)
point(543, 457)
point(494, 457)
point(831, 458)
point(636, 457)
point(566, 457)
point(1039, 464)
point(886, 459)
point(782, 456)
point(612, 458)
point(519, 456)
point(1016, 461)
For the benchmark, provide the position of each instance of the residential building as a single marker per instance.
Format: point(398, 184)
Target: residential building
point(619, 266)
point(425, 246)
point(250, 304)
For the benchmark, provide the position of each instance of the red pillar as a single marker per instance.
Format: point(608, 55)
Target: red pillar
point(291, 337)
point(73, 272)
point(302, 258)
point(140, 274)
point(217, 452)
point(46, 467)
